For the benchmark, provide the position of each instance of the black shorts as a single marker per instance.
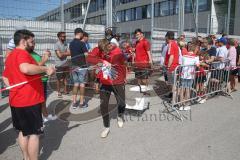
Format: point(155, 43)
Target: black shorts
point(234, 72)
point(142, 73)
point(62, 72)
point(28, 120)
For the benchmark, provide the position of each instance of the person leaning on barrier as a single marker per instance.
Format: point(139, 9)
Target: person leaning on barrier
point(189, 61)
point(25, 100)
point(232, 56)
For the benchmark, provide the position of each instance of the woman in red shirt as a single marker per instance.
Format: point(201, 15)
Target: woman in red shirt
point(112, 59)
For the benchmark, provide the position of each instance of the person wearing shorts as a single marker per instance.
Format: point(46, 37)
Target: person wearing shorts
point(60, 56)
point(142, 59)
point(79, 67)
point(189, 61)
point(171, 60)
point(25, 100)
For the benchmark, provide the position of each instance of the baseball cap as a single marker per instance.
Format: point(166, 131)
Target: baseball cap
point(222, 40)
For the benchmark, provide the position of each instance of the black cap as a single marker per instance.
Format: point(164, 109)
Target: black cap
point(78, 30)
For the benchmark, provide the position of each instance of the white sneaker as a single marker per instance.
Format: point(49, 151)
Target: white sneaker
point(181, 108)
point(120, 122)
point(202, 101)
point(45, 119)
point(105, 132)
point(51, 117)
point(187, 108)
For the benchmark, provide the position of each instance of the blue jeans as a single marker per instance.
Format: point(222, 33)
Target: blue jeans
point(79, 75)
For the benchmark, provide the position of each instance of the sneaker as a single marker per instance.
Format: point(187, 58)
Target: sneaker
point(120, 122)
point(202, 101)
point(187, 108)
point(74, 105)
point(45, 120)
point(59, 95)
point(84, 105)
point(181, 108)
point(51, 117)
point(105, 132)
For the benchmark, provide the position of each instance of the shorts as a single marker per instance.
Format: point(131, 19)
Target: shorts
point(79, 75)
point(234, 72)
point(141, 73)
point(170, 78)
point(62, 72)
point(186, 83)
point(28, 120)
point(45, 90)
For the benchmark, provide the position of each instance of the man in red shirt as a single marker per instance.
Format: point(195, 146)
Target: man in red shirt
point(172, 58)
point(143, 58)
point(25, 99)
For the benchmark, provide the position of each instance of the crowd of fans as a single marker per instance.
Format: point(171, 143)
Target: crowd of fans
point(193, 60)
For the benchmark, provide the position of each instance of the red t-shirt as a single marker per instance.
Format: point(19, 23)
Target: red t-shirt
point(184, 51)
point(142, 59)
point(116, 58)
point(172, 50)
point(28, 94)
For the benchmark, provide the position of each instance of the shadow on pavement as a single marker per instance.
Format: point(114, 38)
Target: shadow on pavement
point(7, 137)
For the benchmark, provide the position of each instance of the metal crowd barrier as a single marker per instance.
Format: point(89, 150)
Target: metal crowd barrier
point(194, 84)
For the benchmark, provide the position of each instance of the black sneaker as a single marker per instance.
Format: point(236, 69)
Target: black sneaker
point(74, 105)
point(84, 105)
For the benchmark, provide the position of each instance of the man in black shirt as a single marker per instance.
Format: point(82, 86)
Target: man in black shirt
point(78, 50)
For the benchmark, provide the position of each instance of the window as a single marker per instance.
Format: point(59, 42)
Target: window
point(164, 8)
point(128, 15)
point(119, 16)
point(138, 13)
point(172, 5)
point(188, 6)
point(156, 9)
point(144, 12)
point(203, 5)
point(122, 16)
point(149, 11)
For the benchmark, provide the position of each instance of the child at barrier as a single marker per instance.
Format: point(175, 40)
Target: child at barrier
point(189, 62)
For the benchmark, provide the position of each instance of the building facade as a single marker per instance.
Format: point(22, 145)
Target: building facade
point(131, 14)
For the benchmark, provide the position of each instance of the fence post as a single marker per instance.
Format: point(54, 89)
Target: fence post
point(62, 16)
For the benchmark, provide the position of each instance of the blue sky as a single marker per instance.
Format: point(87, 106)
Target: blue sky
point(26, 9)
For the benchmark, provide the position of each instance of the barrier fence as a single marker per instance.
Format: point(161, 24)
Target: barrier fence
point(194, 84)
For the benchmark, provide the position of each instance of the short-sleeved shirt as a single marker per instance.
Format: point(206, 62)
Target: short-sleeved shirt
point(212, 52)
point(222, 52)
point(38, 58)
point(28, 94)
point(142, 47)
point(77, 49)
point(189, 61)
point(232, 56)
point(173, 49)
point(62, 47)
point(238, 53)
